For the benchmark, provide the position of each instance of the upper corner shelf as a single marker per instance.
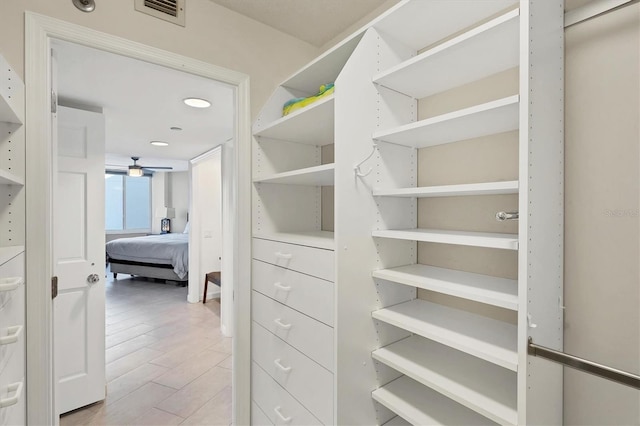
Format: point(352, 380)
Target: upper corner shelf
point(480, 52)
point(489, 118)
point(8, 178)
point(325, 68)
point(486, 188)
point(312, 125)
point(439, 19)
point(11, 88)
point(314, 176)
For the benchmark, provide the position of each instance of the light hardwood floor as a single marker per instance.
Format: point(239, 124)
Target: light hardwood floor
point(167, 362)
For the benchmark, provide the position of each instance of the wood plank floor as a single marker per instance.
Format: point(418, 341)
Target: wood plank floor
point(167, 362)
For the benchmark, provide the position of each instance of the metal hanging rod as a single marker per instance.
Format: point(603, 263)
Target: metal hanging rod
point(594, 9)
point(581, 364)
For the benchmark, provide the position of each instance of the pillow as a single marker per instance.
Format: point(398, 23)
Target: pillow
point(186, 229)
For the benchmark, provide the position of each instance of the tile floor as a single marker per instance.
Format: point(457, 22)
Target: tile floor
point(167, 362)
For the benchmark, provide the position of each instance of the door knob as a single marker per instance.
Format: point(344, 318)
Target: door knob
point(93, 278)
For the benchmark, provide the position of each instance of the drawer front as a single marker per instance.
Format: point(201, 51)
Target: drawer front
point(14, 372)
point(304, 379)
point(272, 402)
point(304, 293)
point(14, 268)
point(12, 315)
point(308, 260)
point(309, 336)
point(258, 418)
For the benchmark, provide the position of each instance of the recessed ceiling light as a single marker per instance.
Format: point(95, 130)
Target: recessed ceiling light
point(175, 128)
point(159, 143)
point(197, 102)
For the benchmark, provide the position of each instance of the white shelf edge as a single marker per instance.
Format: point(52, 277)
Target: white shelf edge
point(450, 119)
point(487, 188)
point(484, 388)
point(318, 239)
point(456, 42)
point(485, 338)
point(289, 118)
point(420, 405)
point(9, 252)
point(8, 178)
point(495, 291)
point(475, 239)
point(322, 175)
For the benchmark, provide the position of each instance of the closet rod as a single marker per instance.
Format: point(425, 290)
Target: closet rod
point(581, 364)
point(594, 10)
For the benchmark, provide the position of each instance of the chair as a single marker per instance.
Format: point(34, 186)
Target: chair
point(213, 277)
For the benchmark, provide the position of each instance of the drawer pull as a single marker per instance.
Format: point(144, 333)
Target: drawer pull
point(285, 256)
point(12, 335)
point(14, 387)
point(281, 367)
point(8, 284)
point(279, 286)
point(282, 325)
point(282, 417)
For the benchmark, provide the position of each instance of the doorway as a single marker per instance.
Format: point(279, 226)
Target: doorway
point(40, 32)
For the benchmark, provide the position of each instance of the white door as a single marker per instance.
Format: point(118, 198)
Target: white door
point(79, 258)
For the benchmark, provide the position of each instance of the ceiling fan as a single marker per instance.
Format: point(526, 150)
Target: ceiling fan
point(136, 170)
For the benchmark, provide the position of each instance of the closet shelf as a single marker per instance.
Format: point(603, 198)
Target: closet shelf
point(485, 338)
point(501, 292)
point(438, 19)
point(397, 421)
point(8, 113)
point(420, 405)
point(483, 387)
point(488, 188)
point(312, 125)
point(314, 176)
point(458, 61)
point(325, 68)
point(480, 120)
point(8, 178)
point(9, 252)
point(317, 239)
point(476, 239)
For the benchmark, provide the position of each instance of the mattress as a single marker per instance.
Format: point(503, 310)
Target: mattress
point(165, 249)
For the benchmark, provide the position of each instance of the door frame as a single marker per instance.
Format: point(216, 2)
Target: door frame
point(39, 31)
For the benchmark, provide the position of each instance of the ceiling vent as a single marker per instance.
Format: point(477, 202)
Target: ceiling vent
point(167, 10)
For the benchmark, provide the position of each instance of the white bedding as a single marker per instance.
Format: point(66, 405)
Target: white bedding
point(159, 249)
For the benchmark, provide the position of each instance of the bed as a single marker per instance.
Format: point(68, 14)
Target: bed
point(164, 256)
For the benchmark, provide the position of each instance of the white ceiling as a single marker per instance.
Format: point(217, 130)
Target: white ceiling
point(141, 101)
point(314, 21)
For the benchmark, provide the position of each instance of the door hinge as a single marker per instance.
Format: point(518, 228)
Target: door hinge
point(54, 287)
point(54, 102)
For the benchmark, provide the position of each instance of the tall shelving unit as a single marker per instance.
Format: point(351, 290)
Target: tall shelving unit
point(401, 355)
point(12, 240)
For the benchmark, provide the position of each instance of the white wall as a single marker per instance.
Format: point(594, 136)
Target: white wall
point(212, 34)
point(178, 198)
point(157, 199)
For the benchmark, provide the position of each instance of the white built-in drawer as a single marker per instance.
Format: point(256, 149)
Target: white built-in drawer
point(275, 403)
point(10, 272)
point(13, 373)
point(307, 381)
point(258, 418)
point(308, 260)
point(309, 336)
point(310, 295)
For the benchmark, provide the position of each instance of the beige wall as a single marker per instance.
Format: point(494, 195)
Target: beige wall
point(212, 34)
point(602, 253)
point(178, 198)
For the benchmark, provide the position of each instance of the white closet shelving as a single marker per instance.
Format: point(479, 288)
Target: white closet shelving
point(417, 343)
point(494, 291)
point(476, 239)
point(481, 120)
point(12, 240)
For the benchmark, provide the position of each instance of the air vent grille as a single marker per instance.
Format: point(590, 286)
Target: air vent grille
point(168, 10)
point(165, 6)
